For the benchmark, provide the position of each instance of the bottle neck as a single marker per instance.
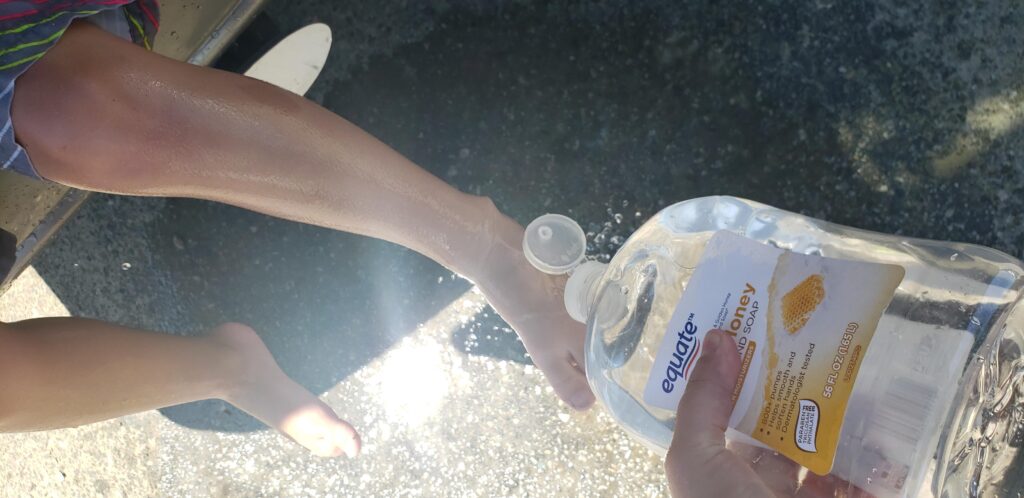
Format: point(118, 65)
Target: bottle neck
point(581, 289)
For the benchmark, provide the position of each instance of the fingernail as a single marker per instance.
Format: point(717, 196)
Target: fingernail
point(712, 341)
point(581, 400)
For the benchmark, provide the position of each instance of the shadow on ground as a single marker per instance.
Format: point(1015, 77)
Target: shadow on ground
point(605, 111)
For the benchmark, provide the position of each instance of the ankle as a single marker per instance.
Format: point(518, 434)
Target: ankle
point(238, 348)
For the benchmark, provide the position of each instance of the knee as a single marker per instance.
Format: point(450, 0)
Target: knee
point(78, 114)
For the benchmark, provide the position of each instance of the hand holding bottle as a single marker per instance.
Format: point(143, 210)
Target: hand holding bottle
point(700, 464)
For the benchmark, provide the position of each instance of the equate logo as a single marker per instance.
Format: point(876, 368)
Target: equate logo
point(685, 355)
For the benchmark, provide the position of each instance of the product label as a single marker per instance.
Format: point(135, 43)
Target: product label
point(802, 325)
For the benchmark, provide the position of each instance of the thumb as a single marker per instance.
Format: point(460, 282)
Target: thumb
point(706, 406)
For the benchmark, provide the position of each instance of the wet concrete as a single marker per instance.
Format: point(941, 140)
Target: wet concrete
point(890, 116)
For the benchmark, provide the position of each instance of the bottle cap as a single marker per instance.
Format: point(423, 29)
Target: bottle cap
point(554, 244)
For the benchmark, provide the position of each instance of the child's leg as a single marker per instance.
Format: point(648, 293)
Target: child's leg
point(64, 372)
point(100, 113)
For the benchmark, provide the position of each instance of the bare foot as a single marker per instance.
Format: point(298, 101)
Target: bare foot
point(531, 302)
point(262, 390)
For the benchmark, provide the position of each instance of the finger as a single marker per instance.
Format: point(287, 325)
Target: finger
point(337, 440)
point(779, 473)
point(569, 383)
point(348, 439)
point(698, 463)
point(316, 426)
point(577, 343)
point(706, 405)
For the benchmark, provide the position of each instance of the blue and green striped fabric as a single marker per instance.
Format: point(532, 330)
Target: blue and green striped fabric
point(28, 28)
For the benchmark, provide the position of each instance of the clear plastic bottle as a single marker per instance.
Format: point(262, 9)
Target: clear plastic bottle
point(936, 408)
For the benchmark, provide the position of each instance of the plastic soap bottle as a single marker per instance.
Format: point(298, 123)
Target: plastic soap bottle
point(894, 364)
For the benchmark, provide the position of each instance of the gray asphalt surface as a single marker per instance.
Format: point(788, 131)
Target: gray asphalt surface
point(900, 117)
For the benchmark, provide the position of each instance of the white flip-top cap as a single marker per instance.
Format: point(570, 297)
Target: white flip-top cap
point(554, 244)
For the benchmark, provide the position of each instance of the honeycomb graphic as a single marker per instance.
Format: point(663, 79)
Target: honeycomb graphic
point(800, 302)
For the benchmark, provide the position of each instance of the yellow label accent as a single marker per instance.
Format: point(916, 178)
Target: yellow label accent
point(748, 357)
point(809, 376)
